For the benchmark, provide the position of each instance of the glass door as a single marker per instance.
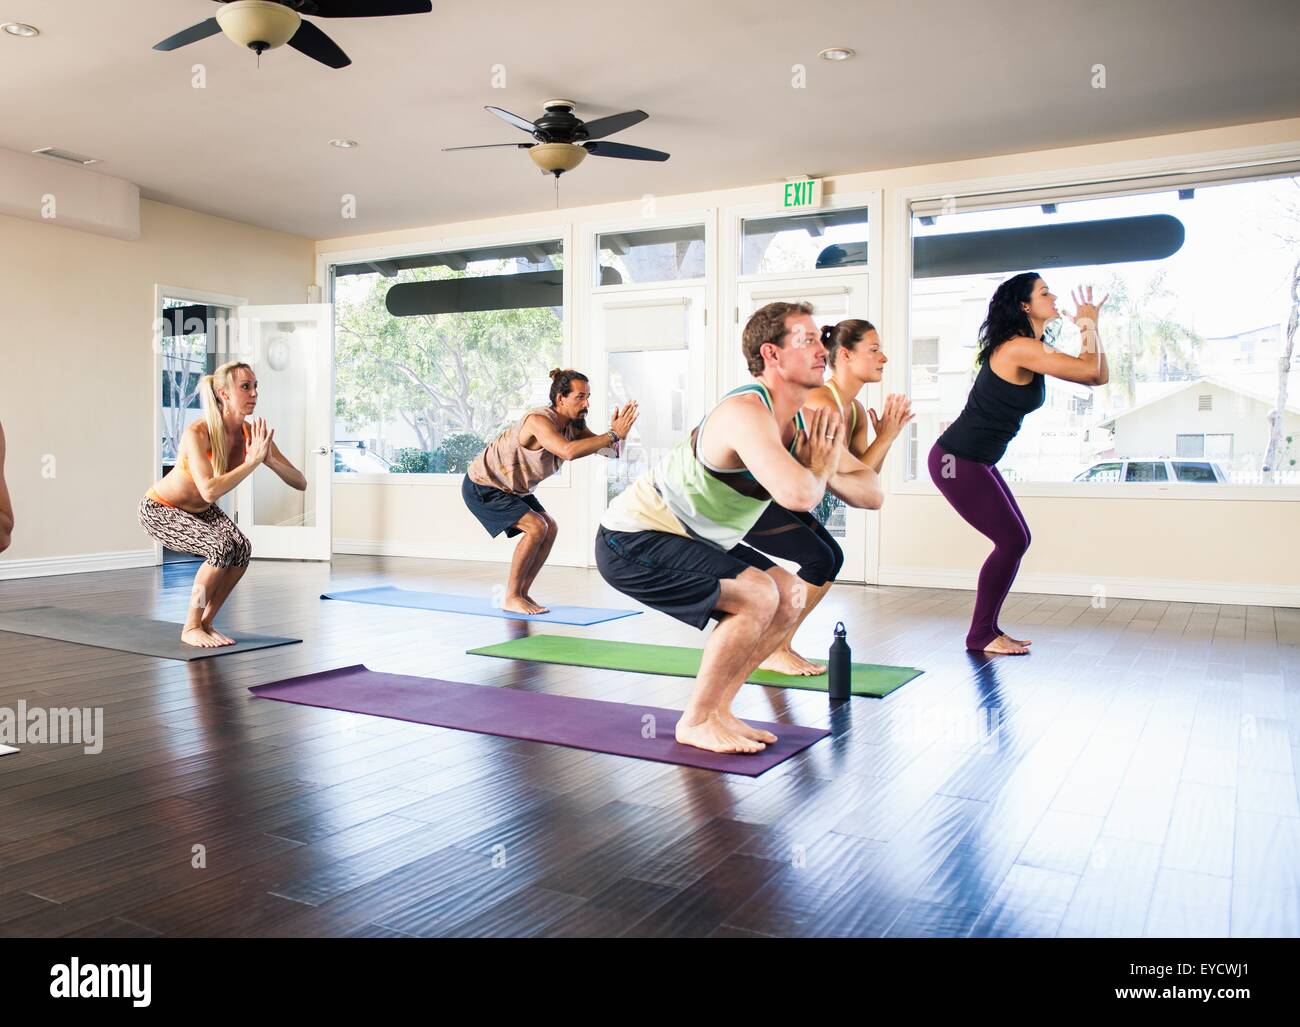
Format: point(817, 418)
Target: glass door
point(188, 342)
point(833, 298)
point(651, 345)
point(289, 348)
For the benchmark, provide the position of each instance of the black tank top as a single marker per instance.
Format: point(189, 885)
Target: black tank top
point(993, 413)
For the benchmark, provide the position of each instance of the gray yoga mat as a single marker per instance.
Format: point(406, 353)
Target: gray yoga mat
point(125, 634)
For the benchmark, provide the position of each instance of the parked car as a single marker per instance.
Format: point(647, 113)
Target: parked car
point(1162, 470)
point(354, 458)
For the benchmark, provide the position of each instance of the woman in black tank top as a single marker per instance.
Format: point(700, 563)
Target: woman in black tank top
point(1014, 364)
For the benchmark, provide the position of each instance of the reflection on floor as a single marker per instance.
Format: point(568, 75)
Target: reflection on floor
point(1134, 775)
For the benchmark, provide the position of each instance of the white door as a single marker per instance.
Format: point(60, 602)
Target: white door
point(289, 348)
point(648, 345)
point(833, 299)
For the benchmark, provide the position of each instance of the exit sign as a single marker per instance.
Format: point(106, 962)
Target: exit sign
point(803, 194)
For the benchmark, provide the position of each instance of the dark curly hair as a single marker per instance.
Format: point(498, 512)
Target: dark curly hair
point(562, 382)
point(1006, 318)
point(845, 335)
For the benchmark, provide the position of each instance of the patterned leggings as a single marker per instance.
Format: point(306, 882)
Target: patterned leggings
point(210, 534)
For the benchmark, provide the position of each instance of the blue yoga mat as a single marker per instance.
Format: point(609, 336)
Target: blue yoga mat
point(478, 606)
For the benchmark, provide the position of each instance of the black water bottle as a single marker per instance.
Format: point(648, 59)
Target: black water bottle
point(840, 671)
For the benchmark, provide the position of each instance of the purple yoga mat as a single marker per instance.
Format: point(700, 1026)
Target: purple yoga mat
point(534, 716)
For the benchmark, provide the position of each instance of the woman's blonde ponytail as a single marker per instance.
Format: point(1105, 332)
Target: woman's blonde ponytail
point(212, 411)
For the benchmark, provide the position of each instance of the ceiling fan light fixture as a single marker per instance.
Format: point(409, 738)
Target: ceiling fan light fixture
point(557, 158)
point(258, 24)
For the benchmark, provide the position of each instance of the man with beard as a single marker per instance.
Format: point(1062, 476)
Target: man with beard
point(498, 488)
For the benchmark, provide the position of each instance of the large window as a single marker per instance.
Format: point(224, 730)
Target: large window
point(435, 354)
point(1195, 330)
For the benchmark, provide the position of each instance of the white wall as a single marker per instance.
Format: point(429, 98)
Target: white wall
point(77, 386)
point(1208, 550)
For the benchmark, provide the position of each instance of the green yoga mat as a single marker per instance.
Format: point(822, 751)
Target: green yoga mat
point(869, 679)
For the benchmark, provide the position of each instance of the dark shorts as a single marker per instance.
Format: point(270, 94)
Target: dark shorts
point(496, 509)
point(799, 537)
point(672, 574)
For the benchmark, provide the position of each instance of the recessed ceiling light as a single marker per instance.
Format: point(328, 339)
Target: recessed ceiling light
point(345, 144)
point(17, 28)
point(836, 53)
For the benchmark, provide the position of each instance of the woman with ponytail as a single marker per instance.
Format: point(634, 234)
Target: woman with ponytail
point(1013, 364)
point(498, 488)
point(181, 512)
point(855, 359)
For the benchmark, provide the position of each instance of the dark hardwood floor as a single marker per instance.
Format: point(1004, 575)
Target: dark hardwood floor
point(1135, 775)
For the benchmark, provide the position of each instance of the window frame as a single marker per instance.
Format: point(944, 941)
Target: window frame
point(326, 261)
point(1203, 169)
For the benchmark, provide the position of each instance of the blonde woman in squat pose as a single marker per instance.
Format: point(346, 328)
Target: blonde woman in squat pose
point(181, 512)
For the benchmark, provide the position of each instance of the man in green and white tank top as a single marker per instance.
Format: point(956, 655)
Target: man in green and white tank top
point(672, 539)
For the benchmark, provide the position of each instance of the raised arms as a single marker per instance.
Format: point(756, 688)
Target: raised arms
point(1088, 368)
point(553, 442)
point(796, 484)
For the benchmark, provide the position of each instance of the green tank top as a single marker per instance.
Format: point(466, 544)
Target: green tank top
point(716, 504)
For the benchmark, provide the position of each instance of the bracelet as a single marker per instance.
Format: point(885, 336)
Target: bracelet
point(613, 437)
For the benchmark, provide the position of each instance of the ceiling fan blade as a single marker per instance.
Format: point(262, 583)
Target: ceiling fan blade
point(513, 119)
point(190, 35)
point(489, 146)
point(602, 127)
point(624, 151)
point(315, 44)
point(369, 8)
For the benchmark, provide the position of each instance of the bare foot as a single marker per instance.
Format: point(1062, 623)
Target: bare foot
point(734, 723)
point(522, 604)
point(544, 609)
point(221, 638)
point(1002, 646)
point(198, 638)
point(1017, 641)
point(787, 661)
point(712, 734)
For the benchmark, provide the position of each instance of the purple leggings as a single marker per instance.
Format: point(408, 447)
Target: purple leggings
point(978, 493)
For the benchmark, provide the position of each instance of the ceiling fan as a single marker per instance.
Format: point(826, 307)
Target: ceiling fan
point(564, 139)
point(264, 25)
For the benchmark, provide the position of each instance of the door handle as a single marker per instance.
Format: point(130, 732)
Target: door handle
point(322, 450)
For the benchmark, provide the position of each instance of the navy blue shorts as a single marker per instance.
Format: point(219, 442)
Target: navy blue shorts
point(673, 574)
point(496, 509)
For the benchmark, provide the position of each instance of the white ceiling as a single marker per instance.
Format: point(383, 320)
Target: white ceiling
point(934, 80)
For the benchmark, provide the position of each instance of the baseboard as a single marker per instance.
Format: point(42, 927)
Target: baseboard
point(1163, 590)
point(485, 552)
point(80, 563)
